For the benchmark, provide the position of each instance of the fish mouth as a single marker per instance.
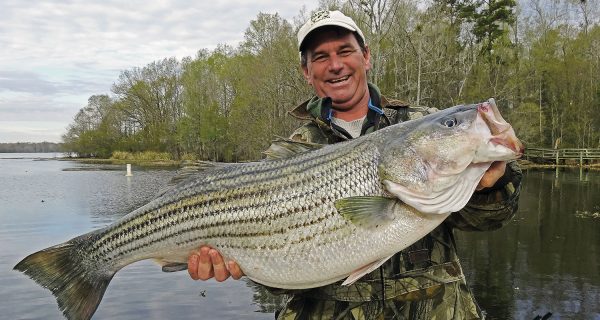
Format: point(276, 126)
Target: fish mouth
point(502, 132)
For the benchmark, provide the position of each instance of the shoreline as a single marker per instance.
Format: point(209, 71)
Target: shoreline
point(526, 164)
point(140, 163)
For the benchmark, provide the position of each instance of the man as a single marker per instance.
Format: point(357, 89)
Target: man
point(425, 280)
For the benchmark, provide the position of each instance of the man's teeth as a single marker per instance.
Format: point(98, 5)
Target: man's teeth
point(339, 80)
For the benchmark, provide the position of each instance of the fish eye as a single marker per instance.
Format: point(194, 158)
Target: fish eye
point(449, 122)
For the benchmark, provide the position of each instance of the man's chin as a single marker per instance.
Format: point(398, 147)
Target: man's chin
point(341, 104)
point(340, 99)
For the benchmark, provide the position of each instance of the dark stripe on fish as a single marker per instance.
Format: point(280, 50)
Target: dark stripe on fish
point(181, 214)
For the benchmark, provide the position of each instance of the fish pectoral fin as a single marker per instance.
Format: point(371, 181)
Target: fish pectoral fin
point(367, 211)
point(359, 273)
point(169, 266)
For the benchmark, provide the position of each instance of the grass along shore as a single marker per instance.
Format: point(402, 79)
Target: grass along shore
point(526, 164)
point(142, 159)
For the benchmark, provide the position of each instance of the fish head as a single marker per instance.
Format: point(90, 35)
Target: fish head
point(436, 163)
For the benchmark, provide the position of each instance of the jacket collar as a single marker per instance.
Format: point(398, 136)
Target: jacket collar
point(318, 108)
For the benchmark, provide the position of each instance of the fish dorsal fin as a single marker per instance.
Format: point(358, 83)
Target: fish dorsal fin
point(284, 148)
point(192, 169)
point(280, 148)
point(367, 211)
point(451, 199)
point(361, 272)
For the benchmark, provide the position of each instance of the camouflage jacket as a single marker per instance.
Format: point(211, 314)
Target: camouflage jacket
point(425, 280)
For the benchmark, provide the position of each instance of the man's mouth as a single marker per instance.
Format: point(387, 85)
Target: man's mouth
point(338, 80)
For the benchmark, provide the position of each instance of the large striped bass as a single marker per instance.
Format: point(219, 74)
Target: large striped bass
point(302, 221)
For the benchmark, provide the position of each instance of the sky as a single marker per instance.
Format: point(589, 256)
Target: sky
point(56, 54)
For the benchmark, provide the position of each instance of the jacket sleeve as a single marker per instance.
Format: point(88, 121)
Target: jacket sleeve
point(491, 208)
point(309, 132)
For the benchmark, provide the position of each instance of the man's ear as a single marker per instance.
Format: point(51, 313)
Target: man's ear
point(306, 74)
point(367, 56)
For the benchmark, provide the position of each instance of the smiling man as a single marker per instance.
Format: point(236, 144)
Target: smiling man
point(338, 70)
point(425, 280)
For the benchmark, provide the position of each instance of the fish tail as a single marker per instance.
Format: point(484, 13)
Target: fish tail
point(78, 290)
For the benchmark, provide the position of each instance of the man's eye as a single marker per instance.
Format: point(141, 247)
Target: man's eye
point(345, 53)
point(319, 58)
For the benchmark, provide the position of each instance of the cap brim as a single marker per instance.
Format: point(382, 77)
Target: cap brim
point(325, 23)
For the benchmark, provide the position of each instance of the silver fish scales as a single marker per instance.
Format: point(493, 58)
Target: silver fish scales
point(254, 212)
point(298, 222)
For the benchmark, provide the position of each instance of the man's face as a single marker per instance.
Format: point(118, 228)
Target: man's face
point(337, 68)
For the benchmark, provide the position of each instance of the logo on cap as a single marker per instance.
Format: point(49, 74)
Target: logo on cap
point(319, 15)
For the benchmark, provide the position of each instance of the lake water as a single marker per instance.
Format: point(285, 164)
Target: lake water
point(546, 260)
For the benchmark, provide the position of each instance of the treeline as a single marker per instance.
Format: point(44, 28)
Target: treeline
point(30, 147)
point(539, 59)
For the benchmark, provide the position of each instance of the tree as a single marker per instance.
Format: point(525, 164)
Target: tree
point(539, 59)
point(207, 99)
point(150, 97)
point(93, 130)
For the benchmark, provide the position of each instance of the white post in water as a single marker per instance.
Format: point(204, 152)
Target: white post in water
point(129, 171)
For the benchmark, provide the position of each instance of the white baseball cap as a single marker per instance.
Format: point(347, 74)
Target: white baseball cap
point(327, 18)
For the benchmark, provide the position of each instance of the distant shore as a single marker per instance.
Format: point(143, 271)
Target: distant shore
point(30, 147)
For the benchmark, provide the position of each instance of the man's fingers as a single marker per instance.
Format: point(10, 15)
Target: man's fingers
point(235, 270)
point(491, 176)
point(205, 268)
point(207, 263)
point(220, 271)
point(193, 265)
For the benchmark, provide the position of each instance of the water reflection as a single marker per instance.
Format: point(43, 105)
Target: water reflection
point(266, 301)
point(41, 204)
point(547, 259)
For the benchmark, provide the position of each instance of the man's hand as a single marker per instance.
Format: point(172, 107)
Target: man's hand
point(491, 176)
point(206, 263)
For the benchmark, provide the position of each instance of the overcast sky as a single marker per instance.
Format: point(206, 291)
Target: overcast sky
point(55, 54)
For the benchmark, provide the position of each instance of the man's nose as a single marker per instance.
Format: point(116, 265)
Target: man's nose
point(335, 63)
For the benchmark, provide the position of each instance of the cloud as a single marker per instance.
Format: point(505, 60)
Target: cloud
point(124, 34)
point(28, 107)
point(25, 81)
point(35, 131)
point(55, 54)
